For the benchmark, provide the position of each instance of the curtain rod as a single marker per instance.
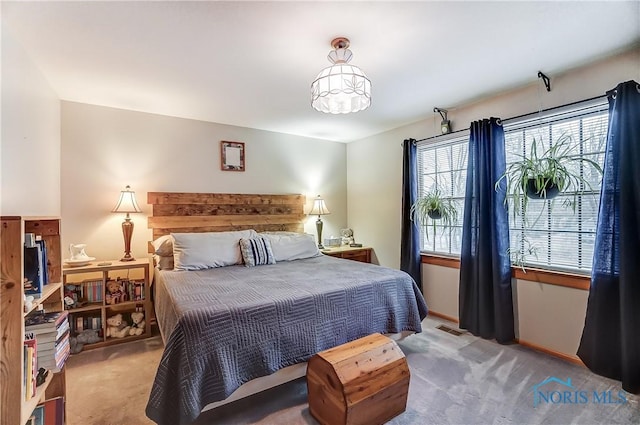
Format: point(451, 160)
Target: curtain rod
point(521, 116)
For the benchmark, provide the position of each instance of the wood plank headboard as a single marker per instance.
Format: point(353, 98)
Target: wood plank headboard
point(180, 212)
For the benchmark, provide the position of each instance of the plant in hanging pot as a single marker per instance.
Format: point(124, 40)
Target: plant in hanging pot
point(433, 208)
point(543, 176)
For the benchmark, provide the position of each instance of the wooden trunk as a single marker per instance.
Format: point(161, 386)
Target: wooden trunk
point(365, 381)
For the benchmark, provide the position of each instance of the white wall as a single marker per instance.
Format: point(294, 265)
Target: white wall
point(104, 149)
point(374, 198)
point(30, 151)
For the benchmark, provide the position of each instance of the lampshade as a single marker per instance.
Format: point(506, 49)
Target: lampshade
point(127, 202)
point(341, 88)
point(319, 207)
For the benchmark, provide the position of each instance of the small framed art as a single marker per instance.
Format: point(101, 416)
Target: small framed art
point(232, 156)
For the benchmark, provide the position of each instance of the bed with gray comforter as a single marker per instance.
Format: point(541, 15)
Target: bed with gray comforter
point(223, 327)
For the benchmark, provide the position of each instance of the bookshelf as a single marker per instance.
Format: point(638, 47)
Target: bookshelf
point(12, 313)
point(85, 278)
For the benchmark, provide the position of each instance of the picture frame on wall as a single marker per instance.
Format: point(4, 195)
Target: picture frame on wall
point(232, 156)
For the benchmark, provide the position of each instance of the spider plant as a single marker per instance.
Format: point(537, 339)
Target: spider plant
point(543, 176)
point(519, 257)
point(431, 208)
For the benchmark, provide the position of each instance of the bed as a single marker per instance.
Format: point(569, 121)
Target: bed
point(226, 326)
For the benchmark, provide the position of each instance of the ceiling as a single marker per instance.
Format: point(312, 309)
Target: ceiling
point(251, 64)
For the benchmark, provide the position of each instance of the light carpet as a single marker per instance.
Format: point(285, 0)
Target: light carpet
point(454, 380)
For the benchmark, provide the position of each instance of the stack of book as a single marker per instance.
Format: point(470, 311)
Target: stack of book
point(52, 335)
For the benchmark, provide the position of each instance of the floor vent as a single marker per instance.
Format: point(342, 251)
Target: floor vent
point(447, 329)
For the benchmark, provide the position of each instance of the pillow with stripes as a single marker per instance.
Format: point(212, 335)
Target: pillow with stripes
point(256, 251)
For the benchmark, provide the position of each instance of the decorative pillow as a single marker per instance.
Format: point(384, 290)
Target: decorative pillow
point(197, 251)
point(163, 262)
point(163, 246)
point(287, 247)
point(256, 251)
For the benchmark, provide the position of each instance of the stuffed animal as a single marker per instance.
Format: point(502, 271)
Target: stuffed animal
point(117, 327)
point(115, 292)
point(28, 302)
point(137, 325)
point(87, 336)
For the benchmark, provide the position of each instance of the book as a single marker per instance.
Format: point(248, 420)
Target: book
point(51, 342)
point(43, 261)
point(53, 411)
point(48, 335)
point(33, 275)
point(28, 395)
point(25, 372)
point(38, 321)
point(30, 366)
point(38, 414)
point(54, 353)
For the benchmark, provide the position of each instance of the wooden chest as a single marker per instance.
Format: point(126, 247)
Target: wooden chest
point(365, 381)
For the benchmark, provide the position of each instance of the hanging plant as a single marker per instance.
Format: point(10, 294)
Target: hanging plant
point(546, 175)
point(433, 208)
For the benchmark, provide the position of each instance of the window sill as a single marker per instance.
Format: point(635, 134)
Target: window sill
point(568, 280)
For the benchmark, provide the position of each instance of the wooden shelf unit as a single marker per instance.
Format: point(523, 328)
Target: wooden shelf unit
point(104, 310)
point(12, 313)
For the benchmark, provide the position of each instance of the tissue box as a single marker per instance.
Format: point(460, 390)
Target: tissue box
point(332, 241)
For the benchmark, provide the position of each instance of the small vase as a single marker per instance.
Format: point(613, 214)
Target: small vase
point(550, 190)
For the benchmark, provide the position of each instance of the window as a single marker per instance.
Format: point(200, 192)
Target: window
point(443, 165)
point(560, 231)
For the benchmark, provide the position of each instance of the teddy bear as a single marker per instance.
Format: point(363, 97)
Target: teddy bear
point(137, 325)
point(87, 336)
point(117, 327)
point(115, 292)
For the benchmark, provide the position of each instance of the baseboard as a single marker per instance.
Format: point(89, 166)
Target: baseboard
point(443, 316)
point(558, 354)
point(563, 356)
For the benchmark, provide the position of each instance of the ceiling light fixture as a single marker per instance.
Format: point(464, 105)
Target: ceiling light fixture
point(340, 88)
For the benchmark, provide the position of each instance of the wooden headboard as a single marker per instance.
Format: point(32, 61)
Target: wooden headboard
point(180, 212)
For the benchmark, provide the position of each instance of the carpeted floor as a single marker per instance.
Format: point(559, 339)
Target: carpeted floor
point(454, 380)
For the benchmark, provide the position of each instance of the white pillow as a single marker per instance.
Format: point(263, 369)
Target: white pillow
point(287, 247)
point(163, 262)
point(163, 246)
point(197, 251)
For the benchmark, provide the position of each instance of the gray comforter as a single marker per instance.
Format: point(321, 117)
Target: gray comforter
point(226, 326)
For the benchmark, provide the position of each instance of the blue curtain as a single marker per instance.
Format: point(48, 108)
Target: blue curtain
point(610, 343)
point(410, 236)
point(485, 300)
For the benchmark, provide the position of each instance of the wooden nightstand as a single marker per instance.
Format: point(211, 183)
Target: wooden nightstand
point(89, 283)
point(362, 254)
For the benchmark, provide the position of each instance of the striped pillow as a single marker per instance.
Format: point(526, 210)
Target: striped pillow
point(256, 251)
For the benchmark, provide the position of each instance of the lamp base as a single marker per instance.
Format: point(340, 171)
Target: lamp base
point(319, 230)
point(127, 232)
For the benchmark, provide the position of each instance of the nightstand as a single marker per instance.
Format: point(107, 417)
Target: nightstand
point(362, 254)
point(89, 284)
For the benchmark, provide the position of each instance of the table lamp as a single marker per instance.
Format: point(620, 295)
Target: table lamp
point(127, 204)
point(319, 208)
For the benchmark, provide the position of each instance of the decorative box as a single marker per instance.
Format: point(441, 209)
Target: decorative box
point(332, 241)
